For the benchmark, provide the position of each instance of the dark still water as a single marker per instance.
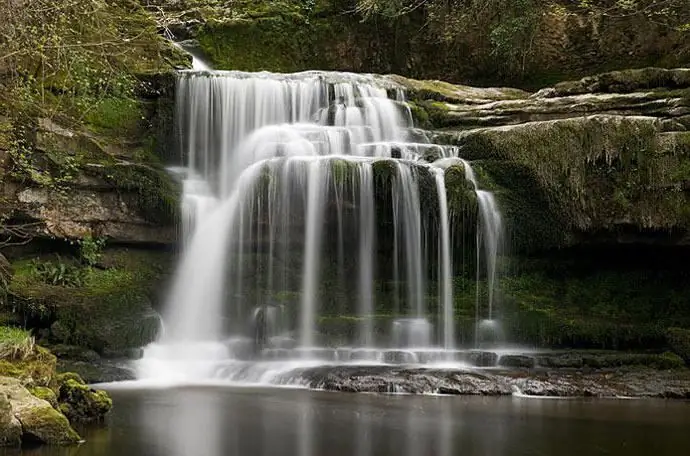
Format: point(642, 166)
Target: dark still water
point(224, 421)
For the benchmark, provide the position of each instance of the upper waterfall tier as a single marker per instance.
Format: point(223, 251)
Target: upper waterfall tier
point(229, 120)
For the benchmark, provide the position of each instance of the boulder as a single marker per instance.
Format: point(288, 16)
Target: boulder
point(10, 427)
point(39, 421)
point(79, 402)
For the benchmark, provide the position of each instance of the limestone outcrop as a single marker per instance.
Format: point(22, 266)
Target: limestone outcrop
point(604, 157)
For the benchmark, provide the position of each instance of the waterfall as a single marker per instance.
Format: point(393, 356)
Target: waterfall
point(282, 206)
point(489, 237)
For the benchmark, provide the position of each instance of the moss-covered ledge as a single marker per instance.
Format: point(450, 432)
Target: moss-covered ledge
point(602, 175)
point(108, 308)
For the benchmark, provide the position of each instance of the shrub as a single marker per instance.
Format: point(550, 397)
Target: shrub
point(59, 274)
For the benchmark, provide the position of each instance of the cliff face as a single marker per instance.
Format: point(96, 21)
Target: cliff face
point(87, 210)
point(601, 159)
point(524, 43)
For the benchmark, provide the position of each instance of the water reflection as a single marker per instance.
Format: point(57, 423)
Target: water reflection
point(223, 421)
point(183, 424)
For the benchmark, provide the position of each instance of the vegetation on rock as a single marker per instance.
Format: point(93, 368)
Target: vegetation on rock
point(111, 309)
point(80, 403)
point(525, 42)
point(42, 400)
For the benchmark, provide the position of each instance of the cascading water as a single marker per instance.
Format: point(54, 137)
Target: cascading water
point(280, 186)
point(489, 237)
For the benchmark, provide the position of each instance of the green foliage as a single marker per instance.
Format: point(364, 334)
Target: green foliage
point(512, 34)
point(110, 310)
point(59, 273)
point(91, 250)
point(113, 116)
point(15, 343)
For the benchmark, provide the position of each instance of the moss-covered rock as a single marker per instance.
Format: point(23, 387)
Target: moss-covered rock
point(79, 402)
point(10, 427)
point(454, 42)
point(625, 81)
point(45, 394)
point(71, 184)
point(40, 422)
point(598, 174)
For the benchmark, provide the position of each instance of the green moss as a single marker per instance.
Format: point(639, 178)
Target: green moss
point(263, 36)
point(118, 117)
point(45, 394)
point(462, 200)
point(79, 403)
point(47, 425)
point(66, 377)
point(420, 116)
point(595, 172)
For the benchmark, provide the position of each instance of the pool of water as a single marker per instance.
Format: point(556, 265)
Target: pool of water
point(213, 421)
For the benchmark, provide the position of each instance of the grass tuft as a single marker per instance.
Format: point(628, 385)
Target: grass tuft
point(15, 343)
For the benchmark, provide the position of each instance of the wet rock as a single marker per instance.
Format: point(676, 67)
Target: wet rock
point(628, 382)
point(103, 371)
point(399, 357)
point(59, 332)
point(519, 361)
point(560, 360)
point(483, 359)
point(74, 353)
point(388, 379)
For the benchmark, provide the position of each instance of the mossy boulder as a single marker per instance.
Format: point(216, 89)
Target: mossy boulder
point(45, 394)
point(10, 427)
point(79, 402)
point(40, 422)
